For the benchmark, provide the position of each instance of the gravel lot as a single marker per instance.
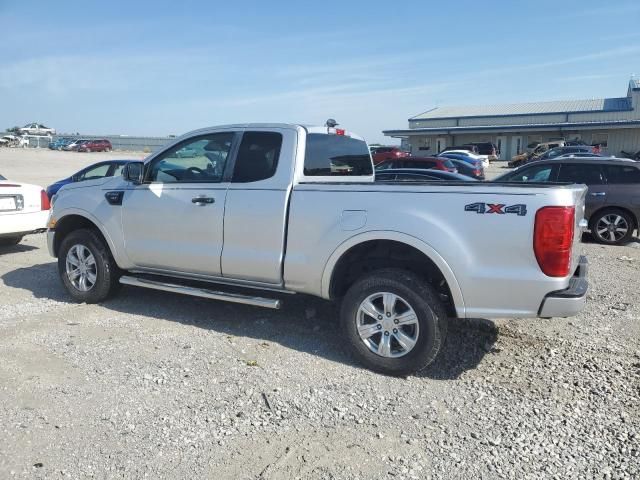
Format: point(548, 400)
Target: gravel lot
point(157, 385)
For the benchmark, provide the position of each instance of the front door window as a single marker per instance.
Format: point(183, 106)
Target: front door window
point(199, 160)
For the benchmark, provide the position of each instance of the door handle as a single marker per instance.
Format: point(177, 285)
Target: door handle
point(201, 201)
point(598, 194)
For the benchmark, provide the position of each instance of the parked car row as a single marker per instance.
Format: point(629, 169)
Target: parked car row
point(81, 145)
point(613, 201)
point(543, 151)
point(612, 206)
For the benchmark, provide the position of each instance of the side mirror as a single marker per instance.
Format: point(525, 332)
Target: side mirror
point(134, 172)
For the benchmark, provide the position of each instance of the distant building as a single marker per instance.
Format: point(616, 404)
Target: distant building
point(614, 123)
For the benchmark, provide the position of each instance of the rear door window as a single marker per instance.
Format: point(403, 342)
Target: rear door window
point(336, 155)
point(620, 174)
point(257, 157)
point(589, 174)
point(538, 173)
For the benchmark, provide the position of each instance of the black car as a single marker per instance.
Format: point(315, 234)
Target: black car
point(612, 206)
point(419, 175)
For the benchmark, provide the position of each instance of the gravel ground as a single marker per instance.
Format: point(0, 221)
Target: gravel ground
point(157, 385)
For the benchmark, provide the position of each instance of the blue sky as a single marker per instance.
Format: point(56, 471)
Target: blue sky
point(158, 68)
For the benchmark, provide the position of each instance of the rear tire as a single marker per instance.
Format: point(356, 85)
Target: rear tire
point(612, 226)
point(375, 318)
point(10, 241)
point(84, 252)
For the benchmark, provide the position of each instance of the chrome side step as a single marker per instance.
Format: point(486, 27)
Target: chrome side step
point(201, 292)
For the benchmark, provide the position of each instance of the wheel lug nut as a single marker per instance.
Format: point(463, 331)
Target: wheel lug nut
point(388, 314)
point(395, 330)
point(379, 327)
point(386, 334)
point(379, 317)
point(396, 321)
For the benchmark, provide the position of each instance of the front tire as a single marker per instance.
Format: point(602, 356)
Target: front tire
point(86, 267)
point(393, 321)
point(612, 227)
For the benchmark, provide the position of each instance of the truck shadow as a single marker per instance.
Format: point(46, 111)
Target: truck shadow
point(19, 248)
point(305, 323)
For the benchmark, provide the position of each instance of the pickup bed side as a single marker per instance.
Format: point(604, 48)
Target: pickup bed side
point(496, 271)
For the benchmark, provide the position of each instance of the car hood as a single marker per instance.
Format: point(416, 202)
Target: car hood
point(95, 183)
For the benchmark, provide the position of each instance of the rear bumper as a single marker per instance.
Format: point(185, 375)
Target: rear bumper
point(571, 301)
point(23, 223)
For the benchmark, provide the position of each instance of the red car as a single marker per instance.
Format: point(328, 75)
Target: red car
point(381, 154)
point(437, 163)
point(95, 146)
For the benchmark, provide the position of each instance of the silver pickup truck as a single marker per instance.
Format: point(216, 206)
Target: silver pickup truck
point(265, 209)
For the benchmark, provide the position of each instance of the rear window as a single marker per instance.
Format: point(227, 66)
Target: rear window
point(336, 155)
point(617, 174)
point(257, 157)
point(448, 163)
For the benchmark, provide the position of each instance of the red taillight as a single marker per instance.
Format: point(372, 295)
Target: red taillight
point(339, 131)
point(44, 201)
point(553, 238)
point(477, 173)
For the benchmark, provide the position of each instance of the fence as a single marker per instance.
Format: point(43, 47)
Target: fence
point(119, 142)
point(125, 142)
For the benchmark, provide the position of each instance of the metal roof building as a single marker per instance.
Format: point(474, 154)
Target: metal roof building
point(612, 122)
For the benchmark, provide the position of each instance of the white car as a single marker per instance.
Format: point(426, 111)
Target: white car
point(37, 129)
point(467, 153)
point(24, 209)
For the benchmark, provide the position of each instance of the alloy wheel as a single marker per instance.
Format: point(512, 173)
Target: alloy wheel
point(81, 268)
point(612, 227)
point(387, 325)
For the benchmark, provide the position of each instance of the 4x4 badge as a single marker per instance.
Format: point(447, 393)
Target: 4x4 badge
point(519, 209)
